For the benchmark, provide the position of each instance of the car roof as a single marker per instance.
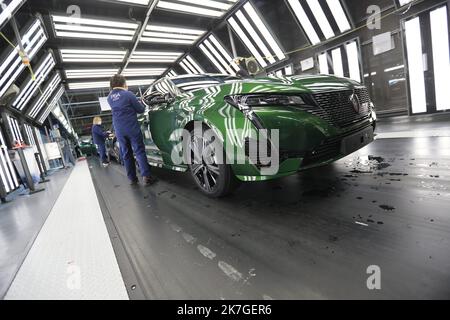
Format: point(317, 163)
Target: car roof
point(200, 75)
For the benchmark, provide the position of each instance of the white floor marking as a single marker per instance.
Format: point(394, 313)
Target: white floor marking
point(230, 271)
point(189, 239)
point(208, 253)
point(175, 228)
point(72, 257)
point(414, 134)
point(362, 224)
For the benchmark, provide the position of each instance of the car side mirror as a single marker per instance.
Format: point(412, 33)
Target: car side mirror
point(157, 99)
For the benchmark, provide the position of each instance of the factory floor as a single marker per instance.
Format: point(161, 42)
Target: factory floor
point(317, 235)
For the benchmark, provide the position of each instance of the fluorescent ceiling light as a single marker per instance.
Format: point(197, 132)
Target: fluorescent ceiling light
point(247, 42)
point(49, 89)
point(175, 35)
point(339, 15)
point(323, 63)
point(9, 10)
point(15, 129)
point(29, 133)
point(255, 37)
point(99, 56)
point(28, 90)
point(12, 65)
point(154, 57)
point(306, 24)
point(394, 68)
point(338, 67)
point(289, 71)
point(264, 30)
point(255, 31)
point(139, 2)
point(210, 8)
point(172, 74)
point(224, 52)
point(414, 52)
point(353, 61)
point(321, 18)
point(90, 73)
point(105, 84)
point(143, 72)
point(191, 66)
point(441, 54)
point(212, 59)
point(93, 29)
point(404, 2)
point(52, 105)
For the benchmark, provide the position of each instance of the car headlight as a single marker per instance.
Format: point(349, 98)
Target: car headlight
point(243, 101)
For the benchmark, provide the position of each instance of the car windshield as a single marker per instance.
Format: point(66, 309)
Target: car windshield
point(198, 82)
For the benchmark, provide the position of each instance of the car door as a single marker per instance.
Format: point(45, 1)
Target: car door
point(162, 122)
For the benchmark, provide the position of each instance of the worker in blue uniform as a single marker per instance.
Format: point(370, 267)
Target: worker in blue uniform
point(125, 108)
point(99, 137)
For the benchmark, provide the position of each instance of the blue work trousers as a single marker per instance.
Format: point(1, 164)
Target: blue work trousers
point(134, 144)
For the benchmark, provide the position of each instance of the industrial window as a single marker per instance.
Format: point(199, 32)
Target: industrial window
point(320, 19)
point(342, 61)
point(218, 55)
point(256, 36)
point(12, 66)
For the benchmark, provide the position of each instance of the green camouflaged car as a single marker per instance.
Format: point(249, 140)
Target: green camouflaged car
point(319, 119)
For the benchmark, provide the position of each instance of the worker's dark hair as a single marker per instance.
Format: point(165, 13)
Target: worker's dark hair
point(117, 81)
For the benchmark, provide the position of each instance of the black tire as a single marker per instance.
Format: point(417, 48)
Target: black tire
point(221, 179)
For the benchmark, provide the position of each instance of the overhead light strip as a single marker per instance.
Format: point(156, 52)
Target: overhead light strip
point(414, 53)
point(323, 25)
point(209, 8)
point(256, 37)
point(172, 35)
point(441, 54)
point(49, 89)
point(31, 86)
point(172, 74)
point(52, 105)
point(106, 84)
point(12, 66)
point(71, 27)
point(155, 57)
point(9, 10)
point(91, 56)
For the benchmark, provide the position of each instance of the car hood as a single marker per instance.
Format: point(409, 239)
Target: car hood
point(294, 84)
point(305, 83)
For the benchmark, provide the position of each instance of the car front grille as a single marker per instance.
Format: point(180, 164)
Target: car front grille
point(330, 148)
point(339, 108)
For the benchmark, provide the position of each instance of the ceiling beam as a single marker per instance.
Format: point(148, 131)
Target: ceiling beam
point(151, 7)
